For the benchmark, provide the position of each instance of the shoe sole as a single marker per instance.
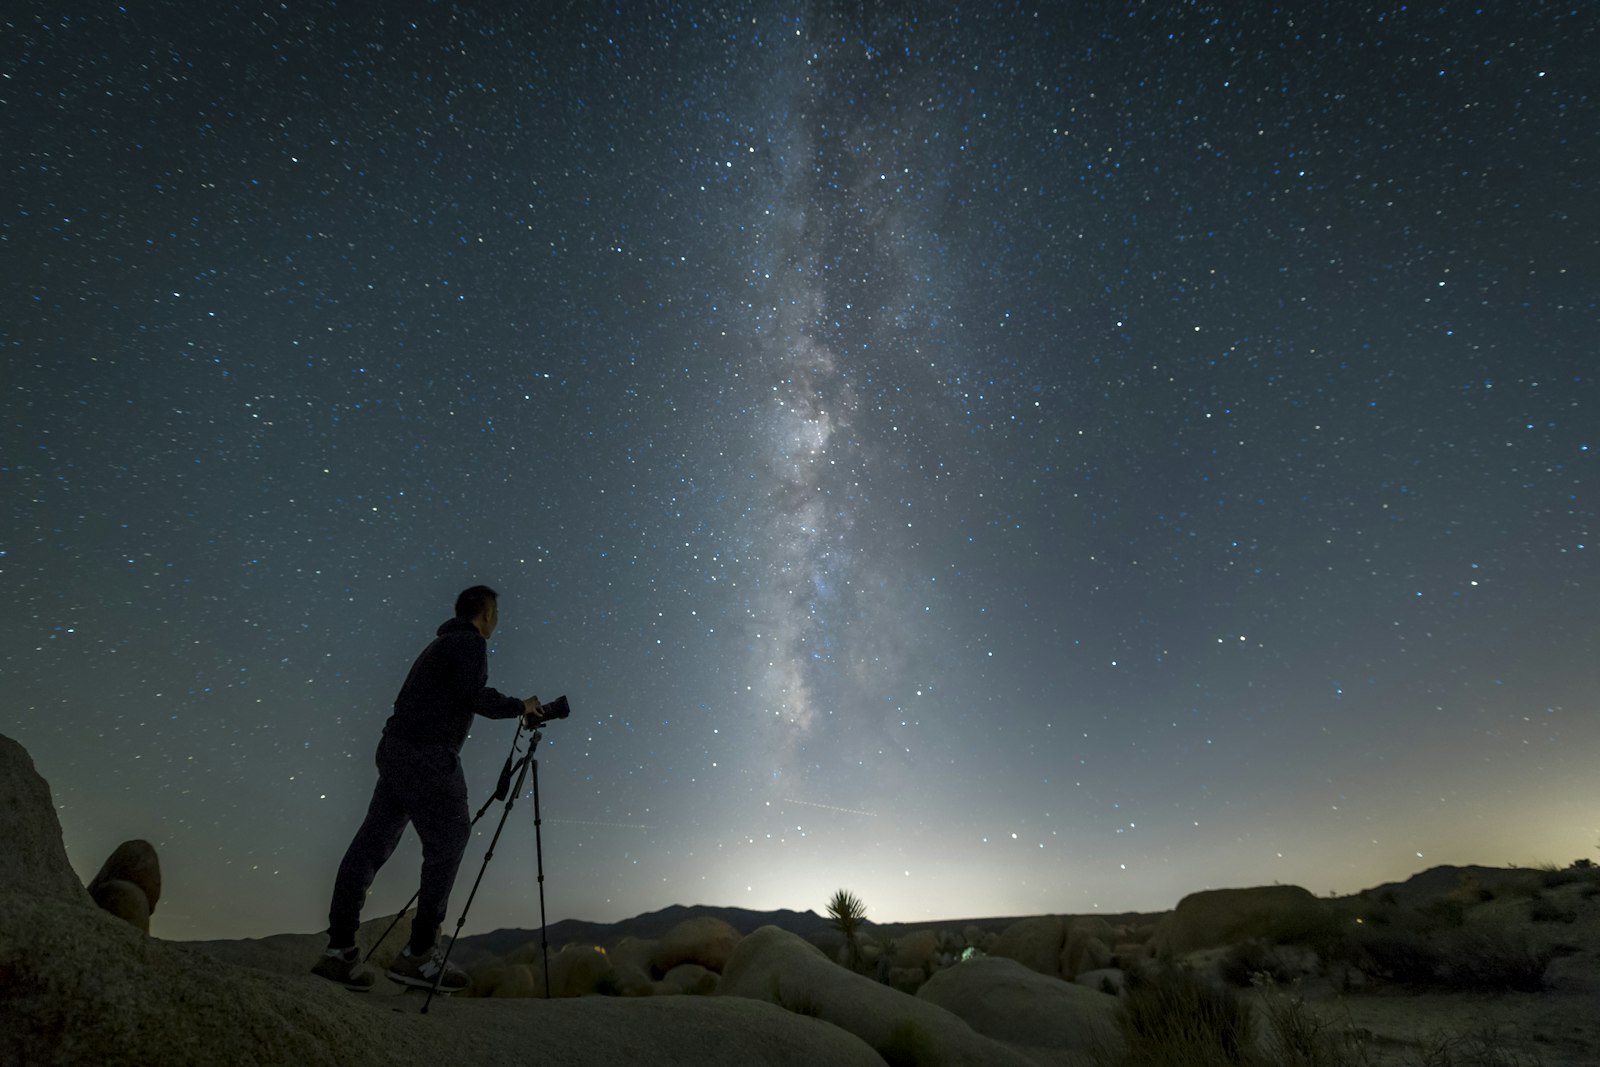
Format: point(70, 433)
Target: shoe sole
point(412, 982)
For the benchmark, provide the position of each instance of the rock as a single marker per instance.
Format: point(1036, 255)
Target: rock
point(1085, 948)
point(1004, 1000)
point(575, 971)
point(906, 979)
point(632, 952)
point(1109, 980)
point(32, 858)
point(124, 900)
point(689, 979)
point(133, 861)
point(1222, 916)
point(776, 966)
point(917, 949)
point(293, 954)
point(81, 986)
point(1035, 943)
point(706, 940)
point(129, 883)
point(1124, 953)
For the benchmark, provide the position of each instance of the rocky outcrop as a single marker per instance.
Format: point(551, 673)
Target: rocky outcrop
point(1035, 943)
point(32, 857)
point(1003, 1000)
point(128, 884)
point(1224, 916)
point(775, 966)
point(707, 941)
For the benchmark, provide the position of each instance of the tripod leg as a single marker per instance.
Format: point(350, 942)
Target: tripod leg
point(487, 856)
point(538, 851)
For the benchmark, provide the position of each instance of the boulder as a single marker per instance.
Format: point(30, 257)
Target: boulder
point(575, 971)
point(1109, 980)
point(1085, 948)
point(32, 858)
point(1223, 916)
point(689, 979)
point(917, 949)
point(706, 940)
point(124, 900)
point(293, 954)
point(1035, 943)
point(1004, 1000)
point(773, 965)
point(133, 861)
point(905, 979)
point(633, 952)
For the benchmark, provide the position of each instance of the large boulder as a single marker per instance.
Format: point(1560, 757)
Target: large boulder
point(575, 971)
point(1223, 916)
point(689, 979)
point(82, 987)
point(1003, 1000)
point(32, 858)
point(1085, 948)
point(706, 940)
point(1035, 943)
point(776, 966)
point(129, 883)
point(918, 950)
point(293, 954)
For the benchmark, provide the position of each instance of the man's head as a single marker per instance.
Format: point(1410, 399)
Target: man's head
point(479, 606)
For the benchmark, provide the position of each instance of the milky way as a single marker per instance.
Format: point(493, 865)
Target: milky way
point(994, 459)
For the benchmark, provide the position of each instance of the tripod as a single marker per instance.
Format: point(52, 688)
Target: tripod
point(503, 791)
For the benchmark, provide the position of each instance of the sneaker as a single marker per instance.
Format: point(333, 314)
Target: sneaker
point(343, 965)
point(423, 971)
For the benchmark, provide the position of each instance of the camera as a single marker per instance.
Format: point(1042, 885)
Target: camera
point(556, 709)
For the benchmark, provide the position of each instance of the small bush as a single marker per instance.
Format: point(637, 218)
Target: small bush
point(1399, 955)
point(1492, 959)
point(1174, 1019)
point(1298, 1037)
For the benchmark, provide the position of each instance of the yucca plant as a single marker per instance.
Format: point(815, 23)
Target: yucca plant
point(847, 913)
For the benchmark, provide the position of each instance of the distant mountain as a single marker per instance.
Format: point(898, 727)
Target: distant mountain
point(806, 924)
point(649, 925)
point(1437, 881)
point(1425, 886)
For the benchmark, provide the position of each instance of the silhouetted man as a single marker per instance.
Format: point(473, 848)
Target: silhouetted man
point(420, 782)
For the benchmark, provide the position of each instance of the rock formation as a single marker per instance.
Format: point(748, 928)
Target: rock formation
point(129, 883)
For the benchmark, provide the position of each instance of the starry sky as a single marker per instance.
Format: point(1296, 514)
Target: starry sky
point(996, 458)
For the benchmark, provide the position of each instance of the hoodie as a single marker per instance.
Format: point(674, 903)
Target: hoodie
point(447, 685)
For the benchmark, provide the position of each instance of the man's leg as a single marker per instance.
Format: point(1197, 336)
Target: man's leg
point(372, 846)
point(440, 815)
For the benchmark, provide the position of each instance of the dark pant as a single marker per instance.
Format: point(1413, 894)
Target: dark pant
point(422, 785)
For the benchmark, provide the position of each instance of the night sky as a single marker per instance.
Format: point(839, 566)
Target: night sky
point(994, 458)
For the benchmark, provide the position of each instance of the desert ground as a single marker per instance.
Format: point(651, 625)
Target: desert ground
point(1478, 967)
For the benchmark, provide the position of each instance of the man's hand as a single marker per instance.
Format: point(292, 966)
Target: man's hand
point(532, 712)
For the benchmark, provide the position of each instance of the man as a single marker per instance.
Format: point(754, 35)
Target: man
point(420, 782)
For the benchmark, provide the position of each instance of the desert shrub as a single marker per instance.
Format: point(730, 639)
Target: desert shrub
point(1298, 1037)
point(1173, 1019)
point(1247, 960)
point(1397, 954)
point(1486, 1048)
point(1494, 958)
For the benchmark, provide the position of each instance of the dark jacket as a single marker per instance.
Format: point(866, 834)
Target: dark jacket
point(447, 685)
